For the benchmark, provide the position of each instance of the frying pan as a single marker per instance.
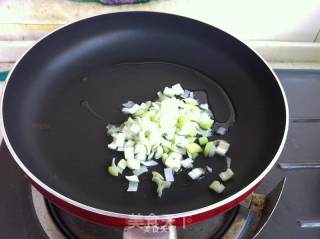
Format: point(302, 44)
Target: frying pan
point(65, 89)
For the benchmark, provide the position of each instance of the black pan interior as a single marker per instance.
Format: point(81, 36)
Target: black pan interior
point(110, 59)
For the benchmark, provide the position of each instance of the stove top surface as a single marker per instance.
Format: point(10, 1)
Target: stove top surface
point(300, 198)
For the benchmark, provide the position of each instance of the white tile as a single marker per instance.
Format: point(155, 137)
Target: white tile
point(275, 51)
point(284, 20)
point(4, 66)
point(10, 51)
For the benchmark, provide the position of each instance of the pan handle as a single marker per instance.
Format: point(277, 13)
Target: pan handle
point(148, 232)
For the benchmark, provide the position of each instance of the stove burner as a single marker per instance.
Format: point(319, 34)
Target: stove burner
point(76, 228)
point(242, 222)
point(60, 224)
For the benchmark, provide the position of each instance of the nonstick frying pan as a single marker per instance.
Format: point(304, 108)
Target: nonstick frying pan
point(65, 89)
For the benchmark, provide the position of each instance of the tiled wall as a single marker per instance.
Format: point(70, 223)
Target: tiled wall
point(280, 20)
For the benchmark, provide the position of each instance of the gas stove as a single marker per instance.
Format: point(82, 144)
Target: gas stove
point(25, 213)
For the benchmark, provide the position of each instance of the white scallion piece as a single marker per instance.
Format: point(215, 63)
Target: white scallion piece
point(120, 149)
point(135, 128)
point(221, 131)
point(205, 133)
point(140, 152)
point(196, 173)
point(226, 175)
point(112, 145)
point(209, 169)
point(174, 161)
point(122, 164)
point(187, 163)
point(129, 153)
point(113, 170)
point(217, 186)
point(204, 106)
point(180, 150)
point(210, 113)
point(131, 110)
point(228, 159)
point(168, 174)
point(132, 186)
point(149, 163)
point(141, 170)
point(132, 178)
point(128, 104)
point(178, 90)
point(191, 101)
point(159, 180)
point(128, 144)
point(112, 129)
point(150, 156)
point(174, 90)
point(158, 153)
point(222, 147)
point(161, 96)
point(133, 164)
point(168, 92)
point(185, 94)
